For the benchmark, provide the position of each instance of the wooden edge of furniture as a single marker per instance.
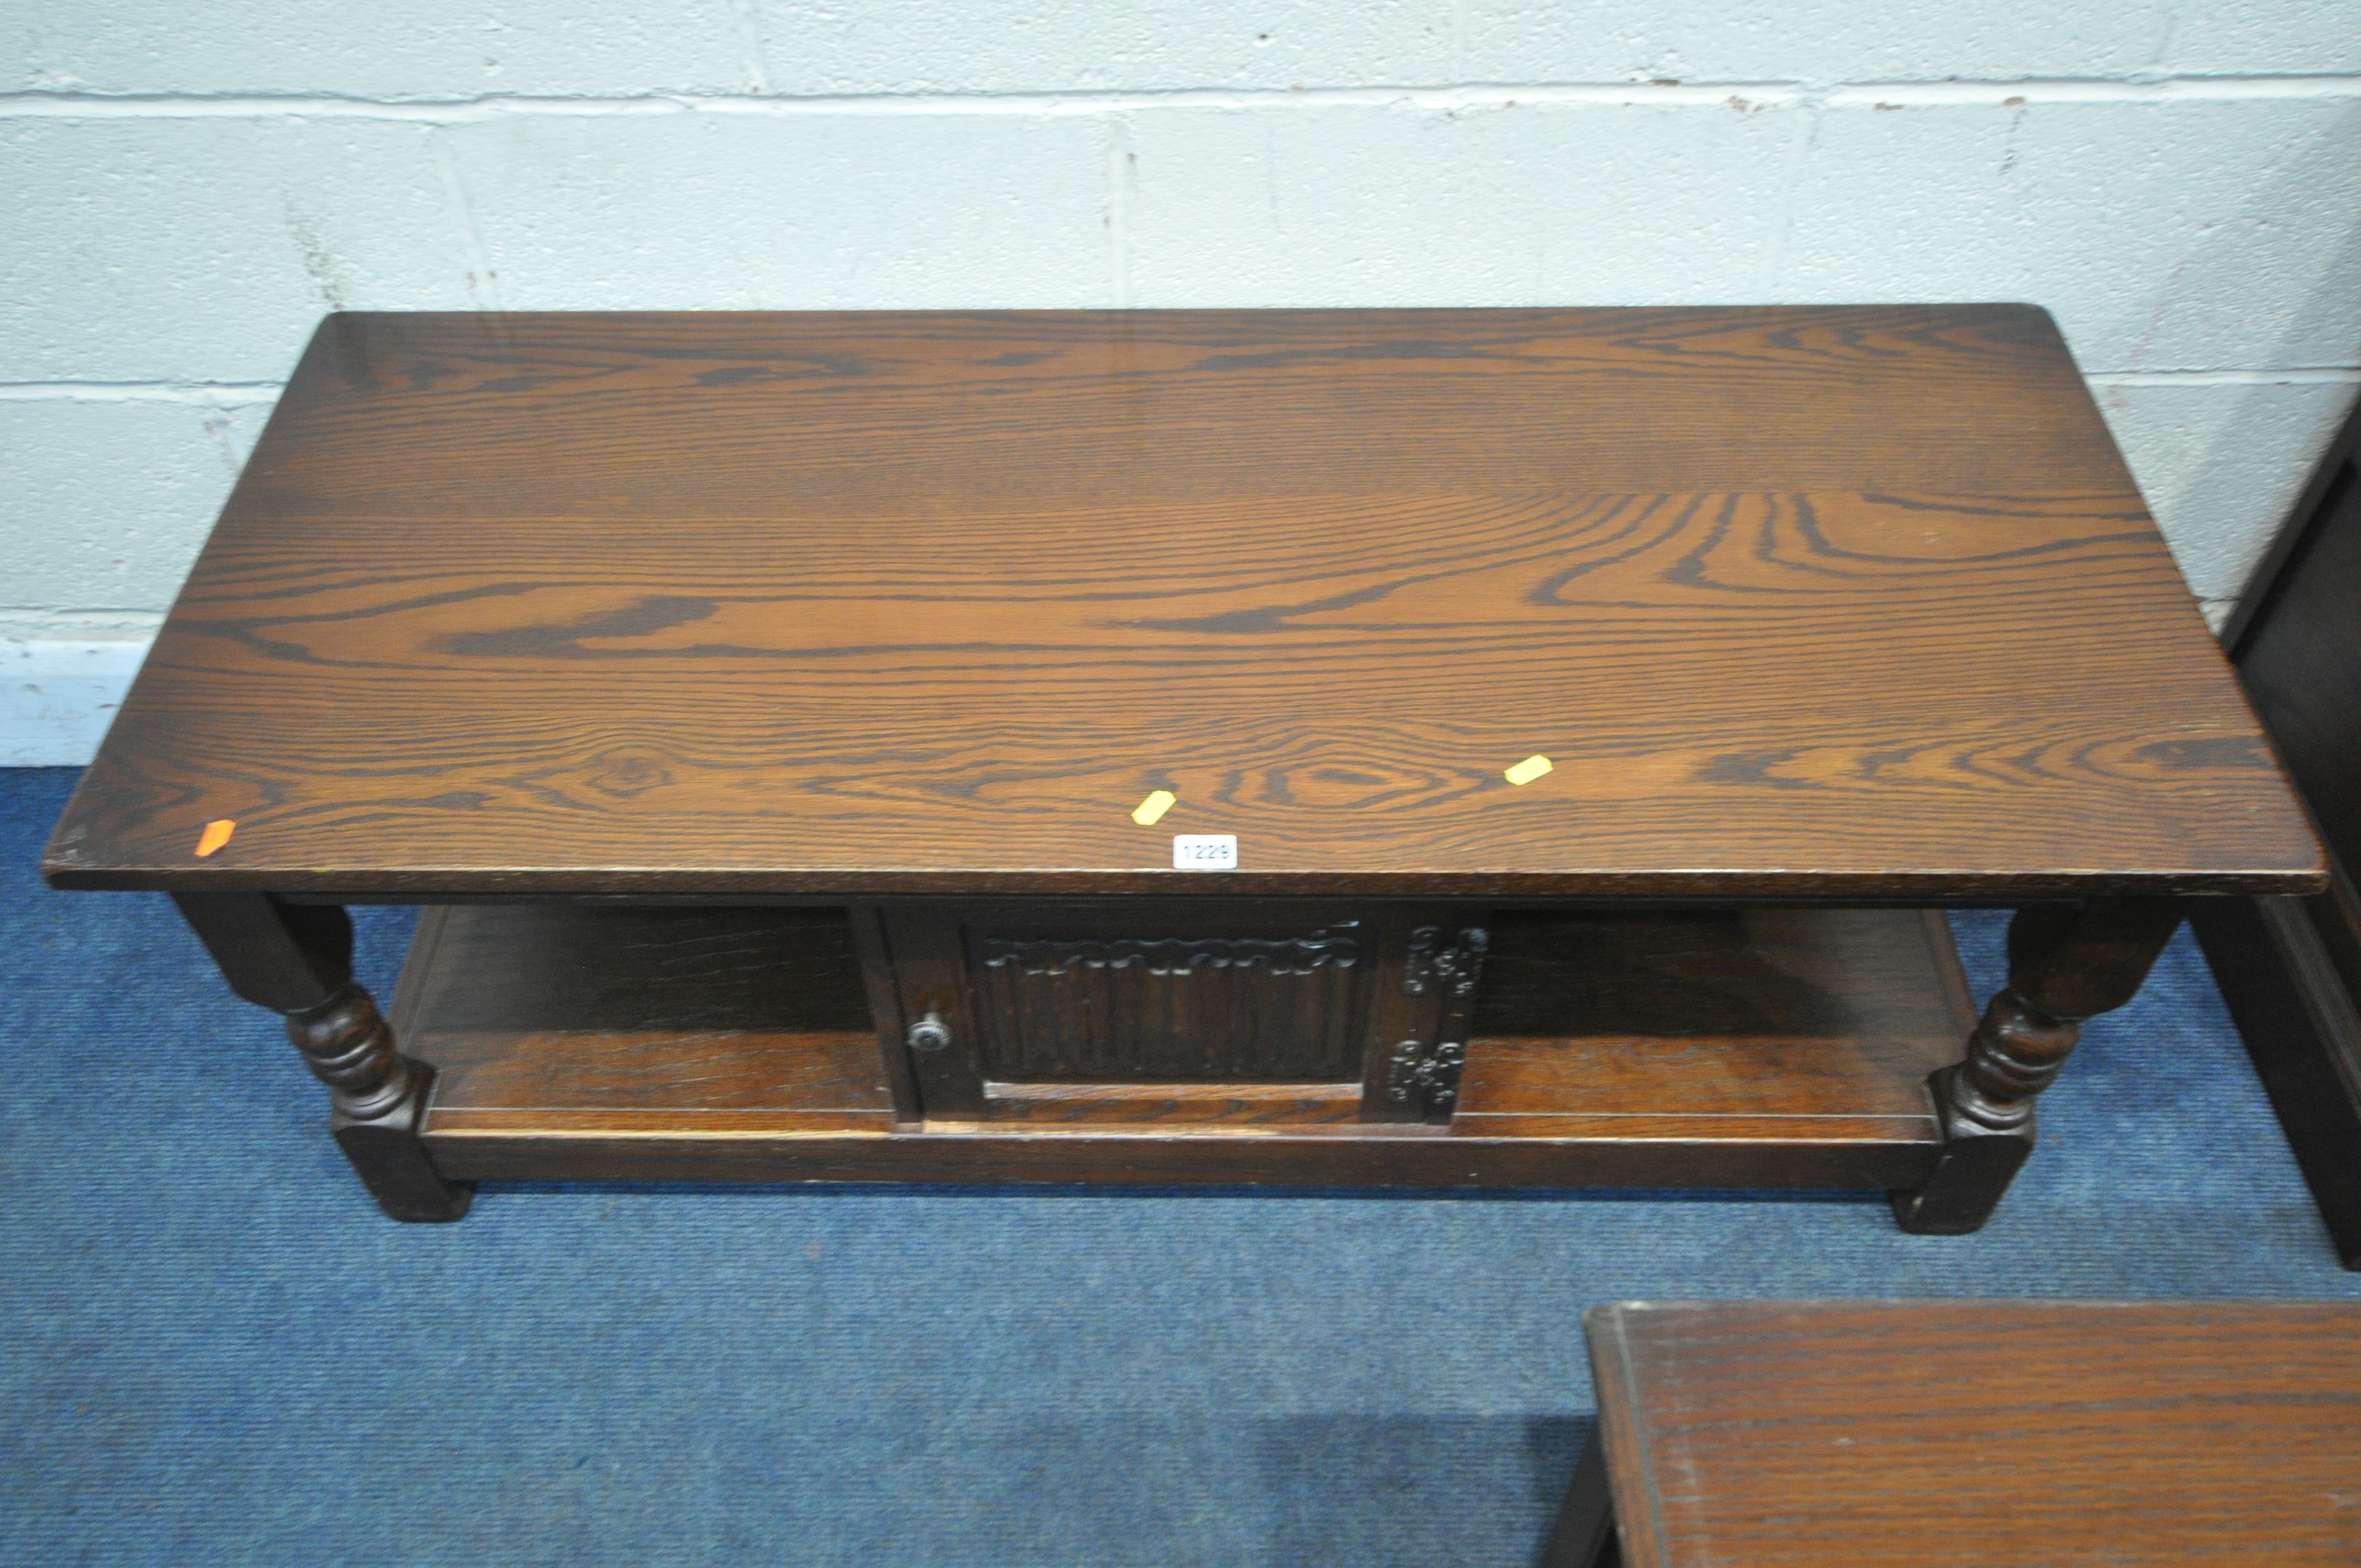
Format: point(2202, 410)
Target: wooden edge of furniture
point(2284, 967)
point(1637, 1532)
point(2008, 889)
point(1774, 1433)
point(2289, 968)
point(556, 1058)
point(473, 523)
point(1583, 1533)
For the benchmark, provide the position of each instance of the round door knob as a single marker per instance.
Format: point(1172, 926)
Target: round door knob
point(929, 1032)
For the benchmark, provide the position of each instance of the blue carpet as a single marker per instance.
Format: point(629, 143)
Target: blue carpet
point(216, 1350)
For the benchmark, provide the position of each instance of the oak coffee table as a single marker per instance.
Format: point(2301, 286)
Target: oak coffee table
point(1418, 747)
point(1842, 1434)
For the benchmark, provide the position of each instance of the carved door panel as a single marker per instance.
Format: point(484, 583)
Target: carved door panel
point(1011, 1003)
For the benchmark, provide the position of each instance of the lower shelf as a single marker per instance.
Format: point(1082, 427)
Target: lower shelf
point(1720, 1048)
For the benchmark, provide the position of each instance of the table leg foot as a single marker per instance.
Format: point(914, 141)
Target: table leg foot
point(377, 1098)
point(296, 961)
point(393, 1164)
point(1975, 1169)
point(2065, 965)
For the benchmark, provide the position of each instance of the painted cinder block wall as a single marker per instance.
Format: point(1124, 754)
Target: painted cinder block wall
point(188, 188)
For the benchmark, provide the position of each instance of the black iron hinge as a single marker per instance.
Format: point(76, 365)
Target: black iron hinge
point(1426, 1072)
point(1451, 969)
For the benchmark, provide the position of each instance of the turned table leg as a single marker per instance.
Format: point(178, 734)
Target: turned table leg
point(2065, 964)
point(296, 960)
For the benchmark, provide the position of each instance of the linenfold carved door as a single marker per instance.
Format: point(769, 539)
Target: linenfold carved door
point(1047, 1010)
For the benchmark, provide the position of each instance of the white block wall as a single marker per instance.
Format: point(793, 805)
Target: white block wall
point(188, 188)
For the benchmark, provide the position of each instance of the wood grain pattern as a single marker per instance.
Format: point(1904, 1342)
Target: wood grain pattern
point(1840, 601)
point(1969, 1433)
point(1759, 973)
point(688, 1011)
point(1568, 1152)
point(1816, 1081)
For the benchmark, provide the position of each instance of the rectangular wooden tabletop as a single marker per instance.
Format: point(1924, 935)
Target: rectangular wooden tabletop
point(1849, 601)
point(1917, 1434)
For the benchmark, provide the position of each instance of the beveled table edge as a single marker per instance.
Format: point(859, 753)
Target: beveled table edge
point(1758, 886)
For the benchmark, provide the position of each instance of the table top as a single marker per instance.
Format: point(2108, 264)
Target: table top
point(1831, 601)
point(1977, 1433)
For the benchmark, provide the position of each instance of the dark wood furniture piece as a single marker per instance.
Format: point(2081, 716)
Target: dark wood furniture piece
point(1958, 1434)
point(2290, 968)
point(771, 708)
